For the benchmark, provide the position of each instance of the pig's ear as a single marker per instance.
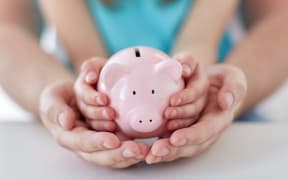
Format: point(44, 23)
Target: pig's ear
point(112, 73)
point(171, 68)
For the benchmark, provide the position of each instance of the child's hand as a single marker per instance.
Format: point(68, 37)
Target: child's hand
point(93, 104)
point(186, 105)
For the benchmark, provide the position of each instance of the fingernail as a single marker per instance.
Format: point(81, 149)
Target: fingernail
point(108, 145)
point(105, 114)
point(156, 160)
point(99, 100)
point(181, 142)
point(140, 157)
point(163, 152)
point(173, 113)
point(91, 76)
point(176, 101)
point(187, 70)
point(128, 153)
point(61, 119)
point(229, 99)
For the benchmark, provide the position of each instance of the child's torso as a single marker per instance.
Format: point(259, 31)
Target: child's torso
point(141, 22)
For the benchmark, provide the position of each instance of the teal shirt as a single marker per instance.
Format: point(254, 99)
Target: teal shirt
point(143, 22)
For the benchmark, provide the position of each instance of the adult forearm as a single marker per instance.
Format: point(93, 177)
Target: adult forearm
point(25, 69)
point(263, 56)
point(204, 27)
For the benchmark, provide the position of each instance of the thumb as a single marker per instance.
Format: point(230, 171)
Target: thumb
point(231, 82)
point(55, 106)
point(66, 117)
point(225, 99)
point(90, 70)
point(188, 63)
point(233, 86)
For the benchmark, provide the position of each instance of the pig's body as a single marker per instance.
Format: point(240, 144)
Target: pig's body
point(139, 82)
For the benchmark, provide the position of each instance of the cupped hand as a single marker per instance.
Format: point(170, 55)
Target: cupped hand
point(60, 115)
point(227, 91)
point(93, 104)
point(186, 105)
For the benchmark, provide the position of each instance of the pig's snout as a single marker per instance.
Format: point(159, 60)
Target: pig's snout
point(144, 119)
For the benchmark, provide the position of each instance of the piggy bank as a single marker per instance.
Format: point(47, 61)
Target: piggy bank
point(139, 82)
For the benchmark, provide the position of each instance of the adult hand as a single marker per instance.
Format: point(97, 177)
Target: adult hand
point(226, 93)
point(60, 115)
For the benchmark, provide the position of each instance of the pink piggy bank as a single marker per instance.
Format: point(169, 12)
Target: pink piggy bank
point(139, 82)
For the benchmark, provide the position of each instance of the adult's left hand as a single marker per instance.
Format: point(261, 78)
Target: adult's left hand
point(226, 94)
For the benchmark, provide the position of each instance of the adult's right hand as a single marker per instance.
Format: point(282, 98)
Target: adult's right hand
point(60, 115)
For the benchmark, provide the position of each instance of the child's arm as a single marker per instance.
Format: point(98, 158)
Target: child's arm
point(75, 29)
point(203, 29)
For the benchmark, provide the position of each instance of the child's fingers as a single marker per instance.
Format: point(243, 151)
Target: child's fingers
point(90, 96)
point(83, 140)
point(85, 86)
point(186, 111)
point(188, 63)
point(195, 88)
point(102, 125)
point(90, 70)
point(190, 94)
point(94, 112)
point(180, 123)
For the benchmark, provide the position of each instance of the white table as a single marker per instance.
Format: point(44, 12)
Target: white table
point(246, 151)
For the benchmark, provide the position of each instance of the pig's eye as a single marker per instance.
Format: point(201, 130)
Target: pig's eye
point(134, 92)
point(153, 91)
